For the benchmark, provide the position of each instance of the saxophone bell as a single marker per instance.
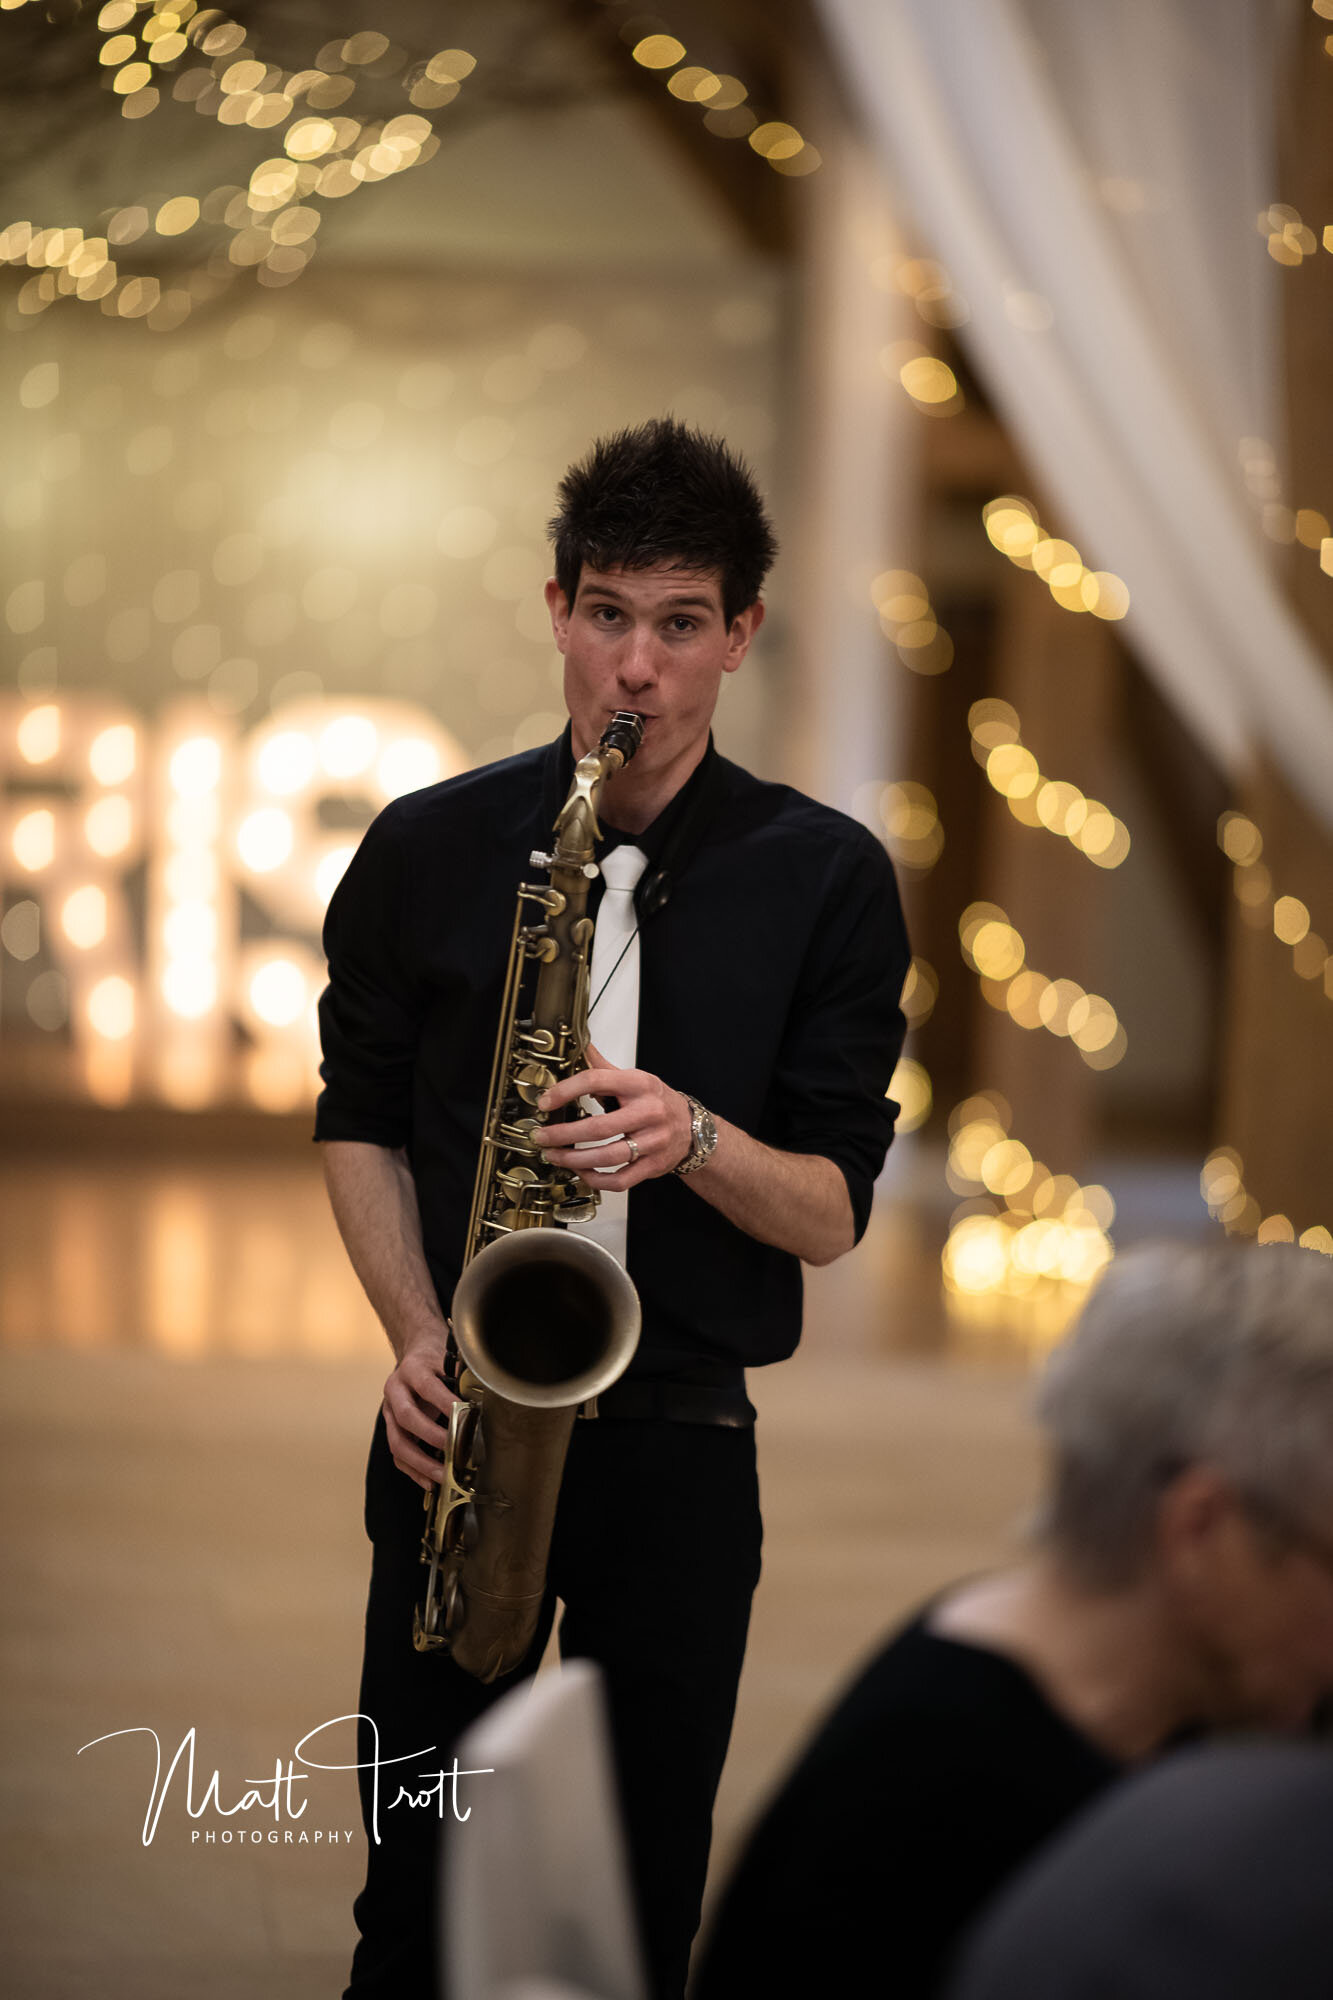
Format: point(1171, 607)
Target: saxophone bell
point(545, 1319)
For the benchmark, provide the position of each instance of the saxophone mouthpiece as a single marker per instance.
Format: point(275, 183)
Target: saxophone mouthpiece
point(624, 732)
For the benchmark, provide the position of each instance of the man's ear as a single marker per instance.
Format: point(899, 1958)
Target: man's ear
point(743, 628)
point(558, 606)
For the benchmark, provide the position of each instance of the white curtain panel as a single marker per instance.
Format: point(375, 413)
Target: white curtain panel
point(1090, 173)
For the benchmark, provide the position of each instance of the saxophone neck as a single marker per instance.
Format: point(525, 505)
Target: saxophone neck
point(577, 829)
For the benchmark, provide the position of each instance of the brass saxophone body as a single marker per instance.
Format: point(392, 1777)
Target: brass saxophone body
point(542, 1320)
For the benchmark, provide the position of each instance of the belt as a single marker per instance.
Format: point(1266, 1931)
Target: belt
point(671, 1402)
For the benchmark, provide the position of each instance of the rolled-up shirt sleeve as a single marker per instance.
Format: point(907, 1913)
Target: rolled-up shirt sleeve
point(845, 1030)
point(370, 1012)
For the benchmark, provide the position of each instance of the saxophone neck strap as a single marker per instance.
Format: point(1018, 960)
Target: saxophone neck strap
point(706, 789)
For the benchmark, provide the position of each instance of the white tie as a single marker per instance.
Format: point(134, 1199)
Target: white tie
point(613, 1017)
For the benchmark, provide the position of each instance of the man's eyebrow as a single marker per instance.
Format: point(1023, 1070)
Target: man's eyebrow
point(668, 604)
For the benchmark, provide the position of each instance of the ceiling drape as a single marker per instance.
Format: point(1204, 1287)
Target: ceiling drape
point(1090, 175)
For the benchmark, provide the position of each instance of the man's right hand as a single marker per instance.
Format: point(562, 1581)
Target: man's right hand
point(417, 1406)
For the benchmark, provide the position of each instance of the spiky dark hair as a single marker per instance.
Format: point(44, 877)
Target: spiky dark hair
point(664, 493)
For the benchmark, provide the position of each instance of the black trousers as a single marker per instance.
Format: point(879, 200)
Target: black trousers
point(655, 1557)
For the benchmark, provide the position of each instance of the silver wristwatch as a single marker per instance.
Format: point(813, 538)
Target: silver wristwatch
point(703, 1137)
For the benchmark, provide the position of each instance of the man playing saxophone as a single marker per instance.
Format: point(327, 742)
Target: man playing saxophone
point(748, 962)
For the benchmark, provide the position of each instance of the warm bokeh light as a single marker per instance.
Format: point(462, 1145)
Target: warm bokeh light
point(332, 155)
point(278, 992)
point(1291, 919)
point(926, 283)
point(727, 115)
point(196, 766)
point(190, 929)
point(997, 953)
point(1289, 916)
point(113, 753)
point(906, 617)
point(108, 825)
point(658, 51)
point(347, 747)
point(1014, 529)
point(1222, 1185)
point(39, 734)
point(1239, 839)
point(911, 822)
point(920, 992)
point(910, 1089)
point(34, 839)
point(265, 838)
point(1055, 804)
point(191, 873)
point(111, 1008)
point(190, 987)
point(996, 950)
point(928, 380)
point(407, 766)
point(193, 822)
point(286, 762)
point(83, 917)
point(1013, 770)
point(331, 870)
point(1035, 1255)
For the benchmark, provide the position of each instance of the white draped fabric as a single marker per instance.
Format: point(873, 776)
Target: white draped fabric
point(1090, 173)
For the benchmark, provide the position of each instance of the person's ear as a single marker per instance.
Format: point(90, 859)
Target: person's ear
point(558, 606)
point(742, 631)
point(1194, 1514)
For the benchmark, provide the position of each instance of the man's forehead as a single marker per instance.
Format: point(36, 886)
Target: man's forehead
point(657, 583)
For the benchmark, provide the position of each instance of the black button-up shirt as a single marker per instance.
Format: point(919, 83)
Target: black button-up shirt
point(770, 974)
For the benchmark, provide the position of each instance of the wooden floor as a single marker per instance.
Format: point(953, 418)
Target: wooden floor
point(189, 1376)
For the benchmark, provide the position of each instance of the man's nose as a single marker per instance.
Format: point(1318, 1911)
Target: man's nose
point(637, 665)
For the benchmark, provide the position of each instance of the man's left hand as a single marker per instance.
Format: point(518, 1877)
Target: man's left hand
point(652, 1114)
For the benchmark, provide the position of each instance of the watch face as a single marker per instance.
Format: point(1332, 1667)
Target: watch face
point(703, 1137)
point(703, 1134)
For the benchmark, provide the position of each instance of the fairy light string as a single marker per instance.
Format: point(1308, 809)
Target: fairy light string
point(326, 155)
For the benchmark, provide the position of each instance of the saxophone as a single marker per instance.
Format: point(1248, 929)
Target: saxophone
point(541, 1320)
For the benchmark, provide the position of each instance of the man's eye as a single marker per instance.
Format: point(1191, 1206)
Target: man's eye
point(682, 624)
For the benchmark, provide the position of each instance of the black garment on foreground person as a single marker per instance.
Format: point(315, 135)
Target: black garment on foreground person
point(937, 1775)
point(1207, 1878)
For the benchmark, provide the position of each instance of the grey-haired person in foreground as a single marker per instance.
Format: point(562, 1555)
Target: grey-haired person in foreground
point(1179, 1581)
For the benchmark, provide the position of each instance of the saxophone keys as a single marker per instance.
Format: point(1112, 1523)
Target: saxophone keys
point(553, 901)
point(516, 1182)
point(572, 1200)
point(540, 1040)
point(531, 1079)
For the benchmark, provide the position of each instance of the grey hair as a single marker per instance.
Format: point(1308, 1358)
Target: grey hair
point(1188, 1355)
